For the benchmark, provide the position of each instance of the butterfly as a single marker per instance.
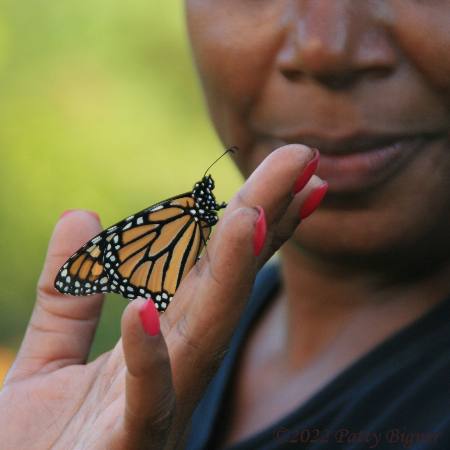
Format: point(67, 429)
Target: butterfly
point(149, 253)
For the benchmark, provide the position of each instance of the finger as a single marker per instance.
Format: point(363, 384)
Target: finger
point(150, 399)
point(215, 292)
point(61, 327)
point(271, 186)
point(302, 205)
point(210, 303)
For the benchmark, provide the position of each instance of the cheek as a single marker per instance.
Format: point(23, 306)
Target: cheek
point(233, 49)
point(421, 29)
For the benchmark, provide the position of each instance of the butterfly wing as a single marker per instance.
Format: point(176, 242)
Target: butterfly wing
point(84, 273)
point(148, 253)
point(152, 252)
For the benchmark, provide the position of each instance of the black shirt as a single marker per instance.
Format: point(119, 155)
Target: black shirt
point(397, 396)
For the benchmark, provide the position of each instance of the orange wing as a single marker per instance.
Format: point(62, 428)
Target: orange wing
point(148, 253)
point(84, 273)
point(154, 252)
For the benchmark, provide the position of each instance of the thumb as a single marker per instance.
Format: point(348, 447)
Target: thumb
point(150, 397)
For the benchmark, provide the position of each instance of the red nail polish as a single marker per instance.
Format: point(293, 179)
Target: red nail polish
point(260, 231)
point(308, 172)
point(69, 211)
point(149, 317)
point(313, 200)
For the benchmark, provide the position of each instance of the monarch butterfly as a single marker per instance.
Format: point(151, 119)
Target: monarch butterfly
point(148, 253)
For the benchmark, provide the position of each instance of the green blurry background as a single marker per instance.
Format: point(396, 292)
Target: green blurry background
point(99, 109)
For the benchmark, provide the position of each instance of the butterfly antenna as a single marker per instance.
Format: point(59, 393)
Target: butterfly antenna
point(229, 150)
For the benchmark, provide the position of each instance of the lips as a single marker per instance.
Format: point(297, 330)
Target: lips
point(361, 162)
point(366, 168)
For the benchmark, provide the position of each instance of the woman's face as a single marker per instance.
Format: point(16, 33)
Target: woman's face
point(367, 82)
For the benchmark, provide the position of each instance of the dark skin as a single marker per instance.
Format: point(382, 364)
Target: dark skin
point(374, 257)
point(332, 74)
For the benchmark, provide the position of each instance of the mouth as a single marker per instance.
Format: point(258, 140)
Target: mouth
point(361, 162)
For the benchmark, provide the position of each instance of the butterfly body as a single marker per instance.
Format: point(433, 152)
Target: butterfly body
point(148, 253)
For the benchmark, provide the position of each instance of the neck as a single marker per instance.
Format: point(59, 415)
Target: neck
point(324, 305)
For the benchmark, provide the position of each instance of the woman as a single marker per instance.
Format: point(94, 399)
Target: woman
point(345, 347)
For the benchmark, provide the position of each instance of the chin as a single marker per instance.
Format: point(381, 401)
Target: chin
point(360, 242)
point(401, 224)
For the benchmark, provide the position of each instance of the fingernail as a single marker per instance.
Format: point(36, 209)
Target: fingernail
point(308, 172)
point(70, 211)
point(313, 200)
point(149, 317)
point(260, 231)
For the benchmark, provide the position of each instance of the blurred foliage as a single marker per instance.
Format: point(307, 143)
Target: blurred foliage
point(6, 359)
point(99, 109)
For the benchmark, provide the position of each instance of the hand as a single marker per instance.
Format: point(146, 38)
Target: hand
point(141, 394)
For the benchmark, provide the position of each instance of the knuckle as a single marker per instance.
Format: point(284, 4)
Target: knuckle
point(164, 412)
point(185, 335)
point(213, 276)
point(45, 292)
point(241, 221)
point(241, 197)
point(235, 229)
point(155, 425)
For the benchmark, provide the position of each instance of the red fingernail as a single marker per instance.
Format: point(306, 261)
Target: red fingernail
point(313, 200)
point(308, 172)
point(149, 317)
point(260, 231)
point(69, 211)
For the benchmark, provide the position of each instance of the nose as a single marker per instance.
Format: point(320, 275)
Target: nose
point(334, 42)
